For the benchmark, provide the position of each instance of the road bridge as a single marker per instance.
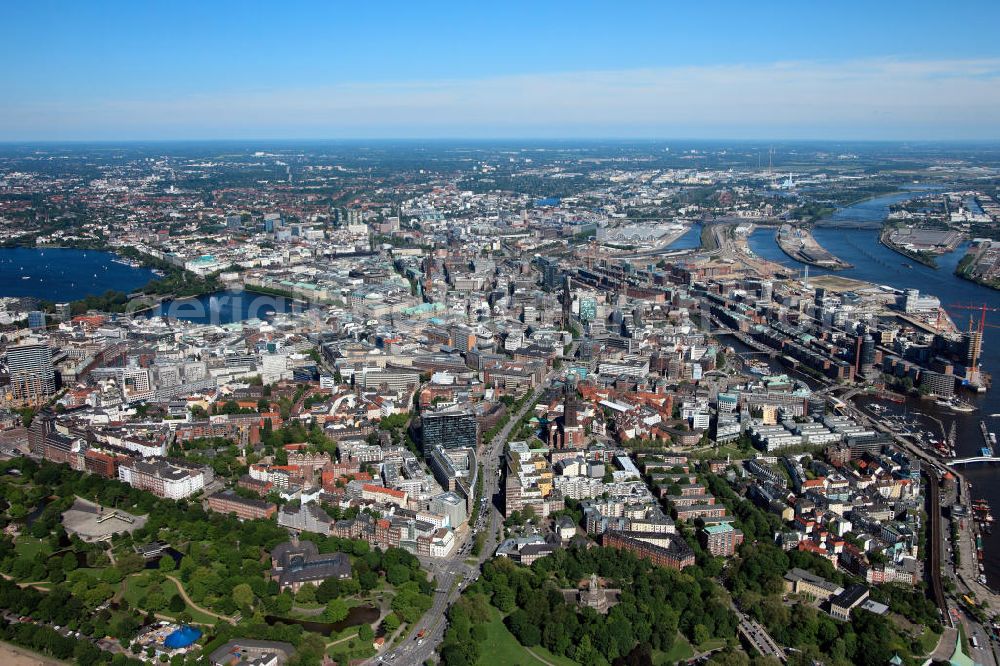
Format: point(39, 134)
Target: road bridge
point(975, 459)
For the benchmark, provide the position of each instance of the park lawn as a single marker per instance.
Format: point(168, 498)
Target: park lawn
point(680, 650)
point(928, 641)
point(722, 452)
point(500, 647)
point(133, 593)
point(32, 547)
point(361, 650)
point(711, 644)
point(350, 632)
point(96, 573)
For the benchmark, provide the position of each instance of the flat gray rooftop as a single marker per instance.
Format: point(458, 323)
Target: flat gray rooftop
point(92, 522)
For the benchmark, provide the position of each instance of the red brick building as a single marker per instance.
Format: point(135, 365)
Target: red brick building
point(228, 501)
point(663, 550)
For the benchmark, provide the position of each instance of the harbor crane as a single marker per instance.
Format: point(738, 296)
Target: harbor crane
point(983, 309)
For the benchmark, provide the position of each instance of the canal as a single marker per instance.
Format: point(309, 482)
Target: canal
point(356, 615)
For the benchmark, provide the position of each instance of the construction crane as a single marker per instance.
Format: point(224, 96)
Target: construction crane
point(940, 318)
point(983, 308)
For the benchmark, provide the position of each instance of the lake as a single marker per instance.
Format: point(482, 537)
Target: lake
point(225, 307)
point(62, 275)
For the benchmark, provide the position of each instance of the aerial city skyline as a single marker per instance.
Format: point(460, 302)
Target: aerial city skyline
point(460, 335)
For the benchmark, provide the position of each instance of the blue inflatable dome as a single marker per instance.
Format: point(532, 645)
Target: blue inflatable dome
point(182, 637)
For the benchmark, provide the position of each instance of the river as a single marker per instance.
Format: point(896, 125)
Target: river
point(873, 262)
point(64, 274)
point(870, 213)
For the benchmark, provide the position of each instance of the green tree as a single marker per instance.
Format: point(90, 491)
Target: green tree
point(391, 623)
point(328, 589)
point(397, 574)
point(155, 600)
point(306, 594)
point(176, 604)
point(368, 580)
point(69, 562)
point(504, 599)
point(336, 610)
point(131, 562)
point(283, 602)
point(243, 595)
point(585, 652)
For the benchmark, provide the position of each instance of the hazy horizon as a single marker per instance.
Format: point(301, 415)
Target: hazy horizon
point(651, 71)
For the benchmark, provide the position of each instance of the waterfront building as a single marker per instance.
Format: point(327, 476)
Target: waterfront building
point(36, 320)
point(938, 383)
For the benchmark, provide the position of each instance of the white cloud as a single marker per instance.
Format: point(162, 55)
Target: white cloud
point(884, 98)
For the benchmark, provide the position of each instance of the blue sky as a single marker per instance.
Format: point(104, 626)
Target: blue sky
point(844, 70)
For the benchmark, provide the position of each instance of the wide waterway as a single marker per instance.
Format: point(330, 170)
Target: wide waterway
point(64, 274)
point(873, 262)
point(870, 213)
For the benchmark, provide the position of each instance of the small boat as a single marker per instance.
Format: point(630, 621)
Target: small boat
point(906, 265)
point(26, 277)
point(956, 405)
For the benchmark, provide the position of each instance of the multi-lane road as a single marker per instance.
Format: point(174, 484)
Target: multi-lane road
point(758, 637)
point(454, 572)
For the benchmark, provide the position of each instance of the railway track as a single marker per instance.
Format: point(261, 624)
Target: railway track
point(934, 538)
